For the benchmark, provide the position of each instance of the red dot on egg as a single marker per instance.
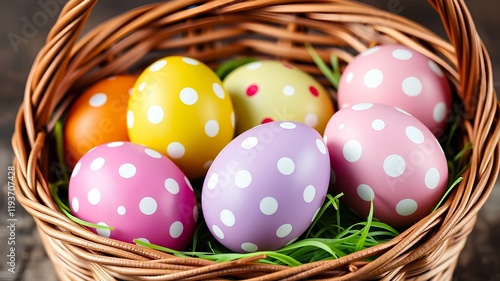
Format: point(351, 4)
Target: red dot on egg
point(287, 65)
point(267, 120)
point(252, 90)
point(313, 91)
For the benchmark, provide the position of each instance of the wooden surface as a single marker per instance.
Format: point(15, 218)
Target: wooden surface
point(480, 259)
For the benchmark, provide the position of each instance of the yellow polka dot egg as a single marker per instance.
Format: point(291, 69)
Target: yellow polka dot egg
point(179, 107)
point(265, 91)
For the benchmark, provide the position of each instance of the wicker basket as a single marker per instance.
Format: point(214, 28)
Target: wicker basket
point(221, 29)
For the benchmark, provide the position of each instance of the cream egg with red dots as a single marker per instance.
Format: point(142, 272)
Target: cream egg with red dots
point(134, 192)
point(381, 153)
point(266, 91)
point(399, 76)
point(265, 187)
point(180, 108)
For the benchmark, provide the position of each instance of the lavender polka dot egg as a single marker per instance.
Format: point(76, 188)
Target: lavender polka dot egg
point(399, 76)
point(265, 187)
point(381, 153)
point(137, 192)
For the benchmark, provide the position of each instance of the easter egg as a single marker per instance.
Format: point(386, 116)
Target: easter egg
point(98, 116)
point(265, 91)
point(136, 191)
point(266, 186)
point(399, 76)
point(179, 107)
point(380, 153)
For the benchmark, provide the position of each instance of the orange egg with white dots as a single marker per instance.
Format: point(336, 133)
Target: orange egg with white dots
point(266, 91)
point(180, 108)
point(98, 116)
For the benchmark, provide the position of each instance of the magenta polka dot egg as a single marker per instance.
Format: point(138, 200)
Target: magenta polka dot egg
point(266, 91)
point(380, 153)
point(266, 186)
point(135, 191)
point(401, 77)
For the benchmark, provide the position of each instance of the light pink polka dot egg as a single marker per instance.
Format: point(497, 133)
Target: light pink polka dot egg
point(401, 77)
point(135, 191)
point(380, 153)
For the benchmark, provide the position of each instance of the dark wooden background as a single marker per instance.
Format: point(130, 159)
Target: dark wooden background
point(480, 259)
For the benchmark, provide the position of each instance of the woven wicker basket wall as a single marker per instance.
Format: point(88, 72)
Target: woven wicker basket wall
point(215, 30)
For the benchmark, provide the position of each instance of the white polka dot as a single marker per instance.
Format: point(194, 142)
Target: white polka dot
point(432, 178)
point(141, 86)
point(176, 229)
point(243, 179)
point(97, 164)
point(172, 186)
point(362, 106)
point(189, 96)
point(227, 218)
point(254, 65)
point(249, 142)
point(439, 112)
point(365, 192)
point(212, 128)
point(373, 78)
point(412, 86)
point(370, 51)
point(435, 68)
point(143, 240)
point(402, 54)
point(406, 207)
point(190, 61)
point(94, 196)
point(130, 119)
point(217, 231)
point(249, 247)
point(75, 204)
point(195, 213)
point(284, 230)
point(268, 206)
point(288, 90)
point(218, 90)
point(130, 91)
point(352, 151)
point(127, 170)
point(76, 169)
point(341, 126)
point(378, 125)
point(311, 119)
point(212, 181)
point(98, 100)
point(121, 210)
point(414, 134)
point(148, 206)
point(115, 144)
point(321, 146)
point(102, 231)
point(309, 193)
point(233, 119)
point(158, 65)
point(288, 125)
point(286, 166)
point(155, 114)
point(176, 150)
point(394, 165)
point(152, 153)
point(349, 77)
